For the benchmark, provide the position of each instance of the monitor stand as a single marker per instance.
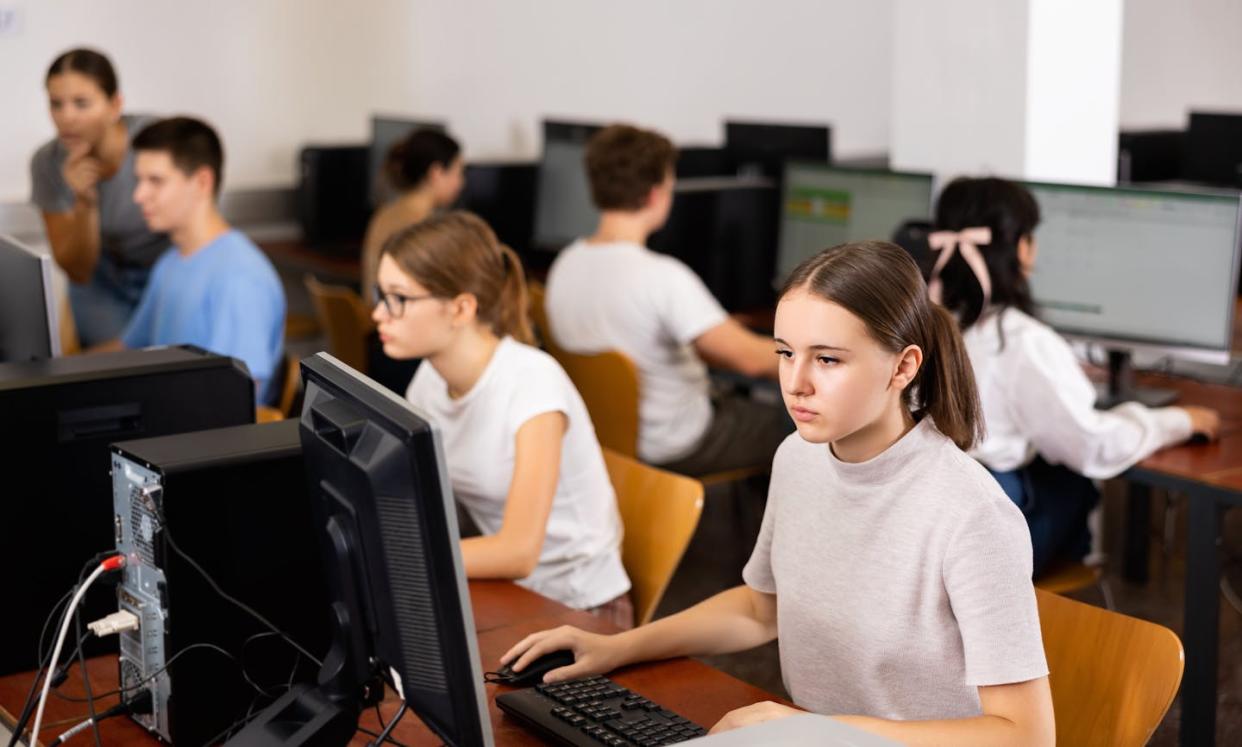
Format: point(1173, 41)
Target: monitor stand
point(1120, 386)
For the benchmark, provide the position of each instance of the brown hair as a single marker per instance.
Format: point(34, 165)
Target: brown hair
point(880, 284)
point(624, 163)
point(458, 253)
point(410, 158)
point(189, 142)
point(88, 62)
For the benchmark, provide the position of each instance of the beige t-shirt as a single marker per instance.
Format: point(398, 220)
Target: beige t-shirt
point(650, 307)
point(902, 583)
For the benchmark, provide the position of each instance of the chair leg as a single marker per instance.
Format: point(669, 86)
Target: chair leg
point(1106, 591)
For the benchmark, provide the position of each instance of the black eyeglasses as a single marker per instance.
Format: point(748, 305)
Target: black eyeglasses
point(394, 303)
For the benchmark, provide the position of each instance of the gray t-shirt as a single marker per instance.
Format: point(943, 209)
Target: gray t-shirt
point(902, 583)
point(124, 238)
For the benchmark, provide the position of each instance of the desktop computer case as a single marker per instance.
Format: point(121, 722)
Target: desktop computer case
point(60, 416)
point(235, 501)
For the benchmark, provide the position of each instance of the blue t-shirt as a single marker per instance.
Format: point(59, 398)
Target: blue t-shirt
point(225, 297)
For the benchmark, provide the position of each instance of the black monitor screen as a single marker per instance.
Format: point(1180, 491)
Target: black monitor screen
point(28, 324)
point(764, 147)
point(389, 533)
point(386, 132)
point(564, 210)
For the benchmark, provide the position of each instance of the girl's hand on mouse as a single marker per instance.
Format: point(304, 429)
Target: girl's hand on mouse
point(593, 653)
point(1204, 420)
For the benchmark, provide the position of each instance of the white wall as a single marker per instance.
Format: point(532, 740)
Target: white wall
point(1178, 56)
point(1073, 73)
point(959, 86)
point(494, 68)
point(269, 74)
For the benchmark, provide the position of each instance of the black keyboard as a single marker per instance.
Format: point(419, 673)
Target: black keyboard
point(594, 711)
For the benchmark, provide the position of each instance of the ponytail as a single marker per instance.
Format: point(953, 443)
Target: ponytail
point(946, 382)
point(880, 284)
point(513, 309)
point(457, 253)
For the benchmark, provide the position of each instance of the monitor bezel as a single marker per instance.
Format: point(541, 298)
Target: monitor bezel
point(51, 310)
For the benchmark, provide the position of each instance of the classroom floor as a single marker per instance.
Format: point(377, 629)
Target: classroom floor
point(731, 519)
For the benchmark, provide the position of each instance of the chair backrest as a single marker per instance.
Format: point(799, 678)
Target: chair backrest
point(607, 381)
point(344, 318)
point(659, 511)
point(1113, 676)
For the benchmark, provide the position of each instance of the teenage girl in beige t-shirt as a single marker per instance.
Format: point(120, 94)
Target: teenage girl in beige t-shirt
point(879, 385)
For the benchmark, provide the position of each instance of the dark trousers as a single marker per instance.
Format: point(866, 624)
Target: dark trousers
point(743, 433)
point(1055, 501)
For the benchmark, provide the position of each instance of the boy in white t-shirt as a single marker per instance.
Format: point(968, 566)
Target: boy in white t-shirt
point(610, 292)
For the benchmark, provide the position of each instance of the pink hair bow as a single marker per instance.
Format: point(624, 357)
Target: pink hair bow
point(967, 242)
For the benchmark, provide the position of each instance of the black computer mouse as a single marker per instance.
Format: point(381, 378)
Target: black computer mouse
point(1197, 439)
point(532, 673)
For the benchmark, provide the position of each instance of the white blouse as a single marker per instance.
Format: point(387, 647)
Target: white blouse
point(1037, 400)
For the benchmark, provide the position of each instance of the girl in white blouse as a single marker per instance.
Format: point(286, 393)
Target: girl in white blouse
point(522, 455)
point(1045, 440)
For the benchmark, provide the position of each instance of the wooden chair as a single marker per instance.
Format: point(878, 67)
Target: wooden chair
point(1068, 577)
point(1113, 677)
point(69, 343)
point(344, 318)
point(659, 511)
point(609, 385)
point(289, 389)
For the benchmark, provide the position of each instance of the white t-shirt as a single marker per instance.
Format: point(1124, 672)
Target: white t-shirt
point(902, 583)
point(650, 307)
point(1037, 400)
point(580, 562)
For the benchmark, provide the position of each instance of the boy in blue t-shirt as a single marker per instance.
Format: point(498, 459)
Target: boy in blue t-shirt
point(214, 288)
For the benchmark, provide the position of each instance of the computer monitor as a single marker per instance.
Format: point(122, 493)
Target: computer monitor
point(822, 206)
point(390, 545)
point(764, 147)
point(29, 328)
point(1214, 148)
point(385, 132)
point(1138, 269)
point(564, 210)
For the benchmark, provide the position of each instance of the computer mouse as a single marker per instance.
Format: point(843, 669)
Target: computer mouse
point(1198, 439)
point(532, 673)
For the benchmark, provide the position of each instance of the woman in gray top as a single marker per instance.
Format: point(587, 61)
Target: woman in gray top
point(83, 182)
point(892, 567)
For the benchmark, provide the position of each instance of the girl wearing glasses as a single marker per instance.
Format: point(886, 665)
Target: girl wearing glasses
point(522, 454)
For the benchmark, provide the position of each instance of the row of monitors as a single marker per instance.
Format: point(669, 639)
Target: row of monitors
point(1128, 266)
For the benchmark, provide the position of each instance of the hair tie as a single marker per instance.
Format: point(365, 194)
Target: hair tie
point(967, 242)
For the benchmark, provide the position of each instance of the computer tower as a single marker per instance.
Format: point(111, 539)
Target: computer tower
point(1150, 155)
point(725, 229)
point(235, 502)
point(60, 415)
point(333, 197)
point(1214, 148)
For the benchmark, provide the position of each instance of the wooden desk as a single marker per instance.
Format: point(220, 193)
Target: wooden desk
point(504, 613)
point(1211, 477)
